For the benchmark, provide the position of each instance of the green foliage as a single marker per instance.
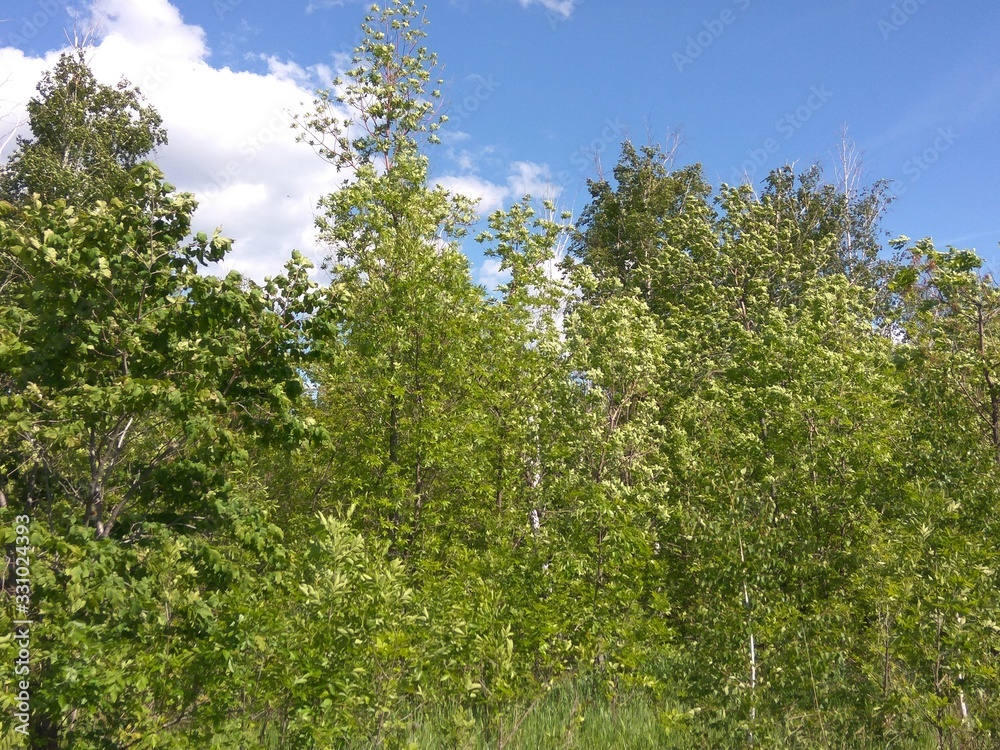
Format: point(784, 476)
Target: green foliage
point(132, 637)
point(336, 657)
point(384, 95)
point(132, 387)
point(86, 137)
point(127, 373)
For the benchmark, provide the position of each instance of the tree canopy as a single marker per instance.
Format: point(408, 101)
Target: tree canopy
point(85, 138)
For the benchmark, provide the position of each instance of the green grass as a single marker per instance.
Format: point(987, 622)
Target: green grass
point(564, 718)
point(580, 716)
point(571, 717)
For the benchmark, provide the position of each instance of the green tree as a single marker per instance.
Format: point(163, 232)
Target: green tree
point(951, 313)
point(774, 420)
point(127, 369)
point(941, 638)
point(132, 387)
point(398, 379)
point(86, 137)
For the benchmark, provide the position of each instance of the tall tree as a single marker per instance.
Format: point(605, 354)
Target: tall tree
point(132, 387)
point(400, 380)
point(86, 137)
point(951, 311)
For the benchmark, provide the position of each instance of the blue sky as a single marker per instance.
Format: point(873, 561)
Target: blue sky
point(538, 87)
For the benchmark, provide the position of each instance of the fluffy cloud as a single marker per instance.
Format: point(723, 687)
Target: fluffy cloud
point(17, 86)
point(489, 195)
point(524, 178)
point(528, 178)
point(231, 140)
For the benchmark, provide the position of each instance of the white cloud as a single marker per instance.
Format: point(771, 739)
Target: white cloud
point(16, 87)
point(466, 161)
point(490, 275)
point(528, 178)
point(450, 137)
point(231, 141)
point(315, 5)
point(489, 195)
point(154, 26)
point(524, 178)
point(561, 8)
